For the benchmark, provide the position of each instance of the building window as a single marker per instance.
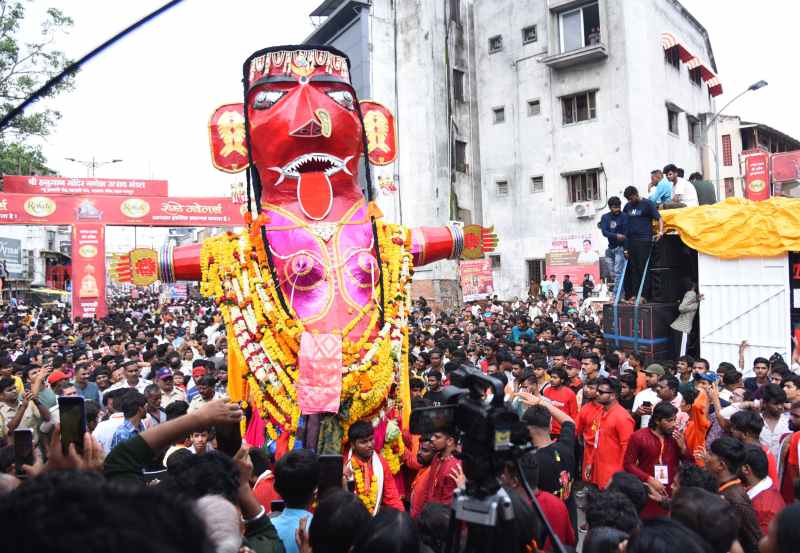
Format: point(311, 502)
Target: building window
point(672, 120)
point(51, 240)
point(727, 153)
point(458, 85)
point(501, 186)
point(693, 126)
point(495, 44)
point(455, 11)
point(499, 114)
point(461, 156)
point(582, 187)
point(695, 76)
point(495, 261)
point(537, 184)
point(529, 34)
point(579, 107)
point(672, 57)
point(534, 108)
point(579, 28)
point(729, 191)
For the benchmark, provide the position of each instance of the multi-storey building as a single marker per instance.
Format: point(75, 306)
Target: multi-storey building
point(525, 114)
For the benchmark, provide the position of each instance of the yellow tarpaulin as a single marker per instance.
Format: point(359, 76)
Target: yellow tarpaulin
point(739, 228)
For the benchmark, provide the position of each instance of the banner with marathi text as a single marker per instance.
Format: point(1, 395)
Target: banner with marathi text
point(52, 209)
point(88, 271)
point(574, 255)
point(35, 184)
point(477, 280)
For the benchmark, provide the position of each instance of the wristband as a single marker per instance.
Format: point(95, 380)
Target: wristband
point(261, 513)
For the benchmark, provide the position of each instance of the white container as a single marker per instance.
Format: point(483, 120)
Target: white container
point(745, 299)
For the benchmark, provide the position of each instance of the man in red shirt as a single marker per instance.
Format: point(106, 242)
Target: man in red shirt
point(375, 484)
point(746, 427)
point(613, 433)
point(766, 500)
point(654, 454)
point(440, 482)
point(587, 425)
point(561, 397)
point(790, 455)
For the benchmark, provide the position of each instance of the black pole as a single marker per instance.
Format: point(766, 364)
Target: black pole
point(73, 67)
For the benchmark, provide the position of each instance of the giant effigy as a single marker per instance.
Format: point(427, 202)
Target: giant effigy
point(315, 292)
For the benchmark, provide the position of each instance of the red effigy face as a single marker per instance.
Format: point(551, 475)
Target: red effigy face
point(305, 132)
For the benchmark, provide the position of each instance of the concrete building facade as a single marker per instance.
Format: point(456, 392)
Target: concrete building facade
point(734, 138)
point(524, 114)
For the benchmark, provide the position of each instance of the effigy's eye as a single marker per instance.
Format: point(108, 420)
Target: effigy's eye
point(343, 98)
point(267, 98)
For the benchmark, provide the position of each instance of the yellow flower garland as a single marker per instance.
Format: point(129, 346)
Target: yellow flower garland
point(369, 499)
point(235, 273)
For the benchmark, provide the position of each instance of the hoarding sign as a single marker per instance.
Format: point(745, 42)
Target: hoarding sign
point(22, 209)
point(756, 176)
point(89, 271)
point(11, 255)
point(477, 280)
point(786, 166)
point(574, 255)
point(89, 186)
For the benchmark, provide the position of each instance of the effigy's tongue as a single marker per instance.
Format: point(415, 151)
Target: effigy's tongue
point(315, 194)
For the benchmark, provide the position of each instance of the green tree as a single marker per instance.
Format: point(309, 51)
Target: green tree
point(25, 65)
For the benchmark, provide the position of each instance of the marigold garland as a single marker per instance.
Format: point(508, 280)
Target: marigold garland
point(368, 498)
point(235, 273)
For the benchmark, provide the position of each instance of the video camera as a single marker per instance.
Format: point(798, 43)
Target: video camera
point(491, 435)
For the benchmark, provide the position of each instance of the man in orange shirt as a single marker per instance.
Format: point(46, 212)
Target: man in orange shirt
point(697, 407)
point(424, 460)
point(587, 424)
point(613, 433)
point(374, 483)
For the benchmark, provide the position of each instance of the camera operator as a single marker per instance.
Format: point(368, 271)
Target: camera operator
point(441, 481)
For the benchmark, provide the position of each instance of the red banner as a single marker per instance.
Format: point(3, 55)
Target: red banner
point(756, 176)
point(477, 279)
point(88, 271)
point(786, 166)
point(88, 186)
point(23, 209)
point(574, 255)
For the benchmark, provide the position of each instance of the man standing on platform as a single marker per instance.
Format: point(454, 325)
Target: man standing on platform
point(612, 224)
point(613, 434)
point(641, 213)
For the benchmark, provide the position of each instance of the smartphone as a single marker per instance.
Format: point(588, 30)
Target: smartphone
point(331, 468)
point(277, 505)
point(72, 413)
point(23, 450)
point(229, 438)
point(647, 404)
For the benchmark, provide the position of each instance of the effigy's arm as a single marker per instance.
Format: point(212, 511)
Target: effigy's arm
point(144, 266)
point(179, 263)
point(429, 244)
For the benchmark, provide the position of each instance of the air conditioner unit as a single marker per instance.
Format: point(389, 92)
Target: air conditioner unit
point(584, 210)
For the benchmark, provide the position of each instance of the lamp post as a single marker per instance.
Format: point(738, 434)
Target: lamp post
point(753, 87)
point(93, 164)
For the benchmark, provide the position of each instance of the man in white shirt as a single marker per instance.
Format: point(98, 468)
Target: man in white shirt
point(104, 432)
point(684, 192)
point(131, 371)
point(645, 400)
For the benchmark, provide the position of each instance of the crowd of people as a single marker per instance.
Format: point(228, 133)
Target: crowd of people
point(628, 455)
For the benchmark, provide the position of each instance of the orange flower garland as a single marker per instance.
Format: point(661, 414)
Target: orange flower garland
point(235, 273)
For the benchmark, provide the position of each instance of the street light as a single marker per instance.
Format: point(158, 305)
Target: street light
point(93, 164)
point(753, 87)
